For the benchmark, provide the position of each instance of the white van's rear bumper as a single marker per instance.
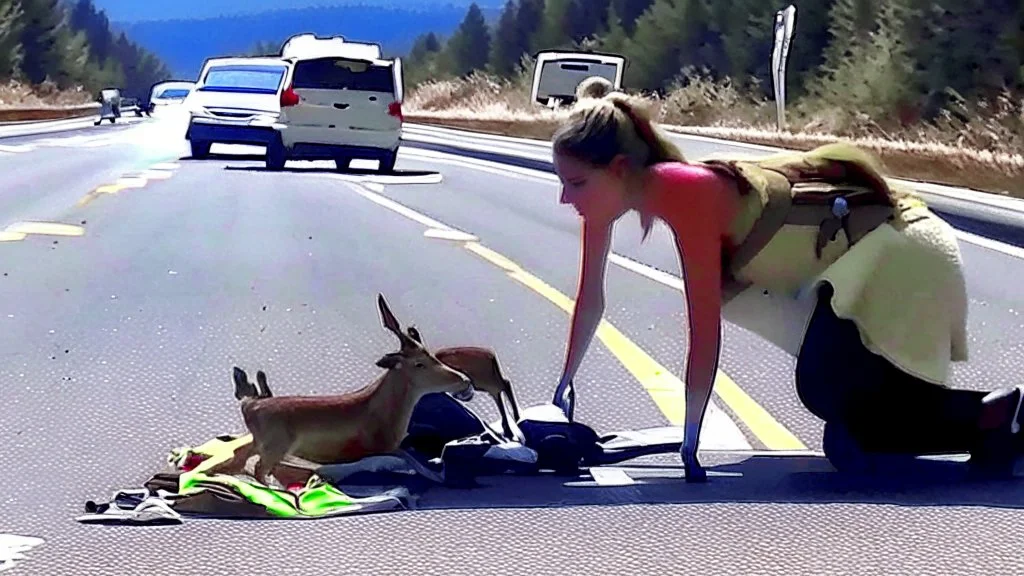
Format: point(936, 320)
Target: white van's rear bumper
point(293, 136)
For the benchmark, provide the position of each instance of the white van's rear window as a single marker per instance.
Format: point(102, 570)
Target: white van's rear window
point(343, 74)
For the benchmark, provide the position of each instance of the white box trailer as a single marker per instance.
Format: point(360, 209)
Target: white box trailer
point(557, 74)
point(307, 44)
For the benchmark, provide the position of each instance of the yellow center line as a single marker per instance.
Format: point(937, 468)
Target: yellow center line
point(667, 391)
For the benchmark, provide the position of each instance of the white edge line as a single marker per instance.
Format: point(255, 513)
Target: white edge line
point(396, 207)
point(1007, 249)
point(985, 198)
point(482, 165)
point(504, 169)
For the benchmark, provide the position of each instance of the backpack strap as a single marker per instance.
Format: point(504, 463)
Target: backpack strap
point(856, 209)
point(774, 215)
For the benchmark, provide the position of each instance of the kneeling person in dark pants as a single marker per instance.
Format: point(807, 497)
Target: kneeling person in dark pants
point(871, 406)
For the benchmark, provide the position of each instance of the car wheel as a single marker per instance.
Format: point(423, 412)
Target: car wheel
point(276, 155)
point(200, 149)
point(387, 162)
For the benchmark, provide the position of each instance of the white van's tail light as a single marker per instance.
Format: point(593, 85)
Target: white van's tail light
point(289, 98)
point(395, 109)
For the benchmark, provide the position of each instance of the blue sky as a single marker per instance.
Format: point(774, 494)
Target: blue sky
point(134, 10)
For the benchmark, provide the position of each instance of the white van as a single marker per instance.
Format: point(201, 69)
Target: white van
point(557, 74)
point(235, 101)
point(339, 108)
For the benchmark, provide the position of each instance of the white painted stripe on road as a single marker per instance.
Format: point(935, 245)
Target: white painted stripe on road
point(610, 476)
point(14, 547)
point(438, 134)
point(14, 149)
point(1007, 249)
point(482, 165)
point(400, 209)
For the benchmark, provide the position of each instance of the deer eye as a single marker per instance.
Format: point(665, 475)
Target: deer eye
point(419, 364)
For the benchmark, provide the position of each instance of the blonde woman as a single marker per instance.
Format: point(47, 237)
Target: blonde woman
point(876, 342)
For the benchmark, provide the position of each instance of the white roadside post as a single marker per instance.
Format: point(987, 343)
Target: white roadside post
point(784, 21)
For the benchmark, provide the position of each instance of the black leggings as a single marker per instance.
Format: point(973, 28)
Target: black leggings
point(885, 409)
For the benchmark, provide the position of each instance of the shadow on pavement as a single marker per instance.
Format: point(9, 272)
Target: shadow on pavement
point(346, 172)
point(218, 156)
point(760, 479)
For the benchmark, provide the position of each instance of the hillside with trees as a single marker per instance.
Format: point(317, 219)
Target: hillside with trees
point(868, 66)
point(57, 48)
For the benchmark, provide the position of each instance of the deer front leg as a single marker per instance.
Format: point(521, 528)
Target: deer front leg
point(506, 428)
point(272, 451)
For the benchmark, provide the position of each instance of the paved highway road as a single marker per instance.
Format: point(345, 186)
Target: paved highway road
point(134, 278)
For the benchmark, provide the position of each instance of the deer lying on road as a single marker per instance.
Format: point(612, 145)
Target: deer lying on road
point(481, 365)
point(344, 428)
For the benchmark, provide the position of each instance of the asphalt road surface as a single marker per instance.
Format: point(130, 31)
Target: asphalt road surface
point(134, 278)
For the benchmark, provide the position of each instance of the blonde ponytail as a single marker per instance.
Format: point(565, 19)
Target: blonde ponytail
point(662, 149)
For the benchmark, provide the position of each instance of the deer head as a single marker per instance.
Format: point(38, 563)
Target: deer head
point(423, 369)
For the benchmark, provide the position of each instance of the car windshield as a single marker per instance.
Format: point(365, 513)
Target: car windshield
point(174, 93)
point(250, 79)
point(343, 74)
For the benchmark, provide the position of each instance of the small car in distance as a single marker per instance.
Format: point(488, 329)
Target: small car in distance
point(168, 93)
point(235, 101)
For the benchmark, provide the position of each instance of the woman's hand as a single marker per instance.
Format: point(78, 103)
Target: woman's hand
point(589, 307)
point(565, 398)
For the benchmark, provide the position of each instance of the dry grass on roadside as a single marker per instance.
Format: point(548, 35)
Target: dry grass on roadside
point(984, 153)
point(15, 94)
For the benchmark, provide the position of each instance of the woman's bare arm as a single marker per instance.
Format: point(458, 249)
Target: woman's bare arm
point(590, 298)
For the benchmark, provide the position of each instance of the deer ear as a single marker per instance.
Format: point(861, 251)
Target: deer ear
point(387, 318)
point(390, 361)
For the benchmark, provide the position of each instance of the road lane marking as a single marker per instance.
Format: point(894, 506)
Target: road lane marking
point(16, 148)
point(159, 171)
point(45, 229)
point(667, 391)
point(14, 547)
point(6, 236)
point(991, 244)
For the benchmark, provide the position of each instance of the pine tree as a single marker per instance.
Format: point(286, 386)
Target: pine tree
point(556, 26)
point(629, 12)
point(655, 48)
point(505, 49)
point(470, 45)
point(11, 52)
point(614, 38)
point(41, 37)
point(529, 17)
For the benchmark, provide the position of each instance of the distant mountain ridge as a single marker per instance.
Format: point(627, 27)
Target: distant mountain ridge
point(130, 11)
point(184, 44)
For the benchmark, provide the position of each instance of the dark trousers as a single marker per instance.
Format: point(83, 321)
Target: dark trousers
point(884, 409)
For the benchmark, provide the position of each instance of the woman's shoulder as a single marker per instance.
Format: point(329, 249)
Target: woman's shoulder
point(688, 180)
point(685, 174)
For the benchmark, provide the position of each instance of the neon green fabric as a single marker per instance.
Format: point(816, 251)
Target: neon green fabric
point(316, 499)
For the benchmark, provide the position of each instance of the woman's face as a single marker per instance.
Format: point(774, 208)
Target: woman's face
point(594, 192)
